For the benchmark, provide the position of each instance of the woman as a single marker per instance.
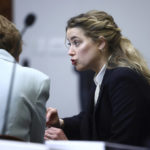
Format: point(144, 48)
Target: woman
point(118, 110)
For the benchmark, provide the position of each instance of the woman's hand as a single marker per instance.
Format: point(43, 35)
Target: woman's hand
point(53, 133)
point(52, 119)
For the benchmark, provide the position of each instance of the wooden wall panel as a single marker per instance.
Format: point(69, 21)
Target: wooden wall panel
point(6, 8)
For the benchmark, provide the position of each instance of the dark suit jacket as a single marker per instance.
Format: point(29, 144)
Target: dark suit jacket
point(122, 112)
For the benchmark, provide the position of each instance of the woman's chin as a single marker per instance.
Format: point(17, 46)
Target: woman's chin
point(80, 68)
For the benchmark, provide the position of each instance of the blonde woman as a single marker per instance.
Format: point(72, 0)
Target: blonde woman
point(118, 110)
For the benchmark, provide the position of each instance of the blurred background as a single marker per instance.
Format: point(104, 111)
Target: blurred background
point(44, 42)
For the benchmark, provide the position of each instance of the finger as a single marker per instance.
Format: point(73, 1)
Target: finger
point(51, 131)
point(45, 138)
point(48, 113)
point(56, 130)
point(48, 132)
point(48, 135)
point(51, 136)
point(51, 112)
point(53, 128)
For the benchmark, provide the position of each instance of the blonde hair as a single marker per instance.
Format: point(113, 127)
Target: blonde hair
point(10, 38)
point(122, 52)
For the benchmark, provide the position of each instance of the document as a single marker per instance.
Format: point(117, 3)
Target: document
point(74, 145)
point(15, 145)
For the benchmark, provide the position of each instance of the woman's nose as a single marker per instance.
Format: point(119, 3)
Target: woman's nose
point(71, 52)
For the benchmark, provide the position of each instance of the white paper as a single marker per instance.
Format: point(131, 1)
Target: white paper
point(75, 145)
point(14, 145)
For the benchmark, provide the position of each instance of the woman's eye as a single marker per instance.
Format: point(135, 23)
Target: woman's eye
point(76, 43)
point(69, 44)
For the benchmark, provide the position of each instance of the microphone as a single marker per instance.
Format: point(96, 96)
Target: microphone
point(29, 21)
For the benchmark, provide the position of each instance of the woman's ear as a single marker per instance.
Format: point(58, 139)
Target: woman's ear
point(102, 43)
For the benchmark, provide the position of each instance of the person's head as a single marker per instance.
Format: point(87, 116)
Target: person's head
point(95, 37)
point(10, 38)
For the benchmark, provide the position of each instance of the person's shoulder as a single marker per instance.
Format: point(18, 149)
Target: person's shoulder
point(31, 72)
point(125, 73)
point(122, 71)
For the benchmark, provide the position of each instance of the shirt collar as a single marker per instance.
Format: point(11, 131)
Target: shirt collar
point(6, 56)
point(99, 77)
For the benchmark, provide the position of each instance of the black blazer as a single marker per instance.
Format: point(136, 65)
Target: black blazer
point(122, 112)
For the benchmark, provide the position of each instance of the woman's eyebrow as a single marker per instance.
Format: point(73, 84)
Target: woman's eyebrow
point(72, 38)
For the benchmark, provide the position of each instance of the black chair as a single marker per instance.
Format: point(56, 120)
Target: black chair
point(9, 137)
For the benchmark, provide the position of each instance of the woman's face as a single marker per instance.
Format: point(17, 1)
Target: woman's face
point(83, 50)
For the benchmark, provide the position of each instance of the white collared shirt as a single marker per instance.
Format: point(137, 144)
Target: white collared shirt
point(98, 81)
point(6, 55)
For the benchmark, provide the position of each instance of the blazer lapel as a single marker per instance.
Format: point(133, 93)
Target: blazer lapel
point(91, 100)
point(105, 80)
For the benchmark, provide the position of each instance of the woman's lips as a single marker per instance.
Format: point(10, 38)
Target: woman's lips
point(73, 62)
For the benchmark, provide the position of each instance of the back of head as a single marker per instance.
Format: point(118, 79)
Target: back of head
point(10, 38)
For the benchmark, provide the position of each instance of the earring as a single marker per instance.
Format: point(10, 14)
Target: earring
point(101, 49)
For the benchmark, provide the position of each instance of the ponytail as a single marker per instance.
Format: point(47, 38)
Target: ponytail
point(126, 55)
